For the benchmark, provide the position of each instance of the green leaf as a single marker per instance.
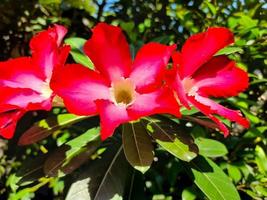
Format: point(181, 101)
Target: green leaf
point(74, 153)
point(170, 137)
point(77, 51)
point(210, 148)
point(46, 127)
point(211, 7)
point(185, 111)
point(137, 146)
point(229, 50)
point(211, 180)
point(104, 178)
point(261, 159)
point(189, 194)
point(234, 172)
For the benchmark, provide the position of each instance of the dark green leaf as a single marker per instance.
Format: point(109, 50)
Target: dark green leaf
point(46, 127)
point(31, 169)
point(71, 155)
point(137, 146)
point(211, 179)
point(170, 137)
point(104, 178)
point(77, 51)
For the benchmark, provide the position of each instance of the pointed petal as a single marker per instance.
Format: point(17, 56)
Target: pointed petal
point(8, 122)
point(199, 48)
point(109, 51)
point(179, 92)
point(111, 116)
point(159, 101)
point(208, 112)
point(45, 47)
point(79, 87)
point(220, 77)
point(215, 108)
point(150, 65)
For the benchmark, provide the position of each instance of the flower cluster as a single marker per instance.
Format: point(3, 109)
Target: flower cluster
point(119, 88)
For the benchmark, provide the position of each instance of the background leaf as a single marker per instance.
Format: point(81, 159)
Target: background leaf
point(77, 51)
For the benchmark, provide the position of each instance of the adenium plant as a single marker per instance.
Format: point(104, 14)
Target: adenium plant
point(120, 89)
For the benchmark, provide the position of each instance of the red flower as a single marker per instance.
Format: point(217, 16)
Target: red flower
point(25, 81)
point(118, 89)
point(199, 75)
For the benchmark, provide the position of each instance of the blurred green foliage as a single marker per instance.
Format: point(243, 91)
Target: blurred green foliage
point(242, 156)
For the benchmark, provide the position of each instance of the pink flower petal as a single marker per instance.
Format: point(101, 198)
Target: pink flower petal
point(20, 73)
point(215, 108)
point(111, 116)
point(220, 77)
point(149, 66)
point(8, 121)
point(199, 48)
point(159, 101)
point(109, 51)
point(46, 50)
point(24, 99)
point(80, 87)
point(176, 81)
point(208, 112)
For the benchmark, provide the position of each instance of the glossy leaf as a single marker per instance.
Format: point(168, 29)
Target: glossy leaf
point(104, 178)
point(210, 148)
point(71, 155)
point(171, 138)
point(137, 146)
point(46, 127)
point(211, 179)
point(77, 52)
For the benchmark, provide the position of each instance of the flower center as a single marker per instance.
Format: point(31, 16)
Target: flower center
point(46, 91)
point(123, 92)
point(189, 86)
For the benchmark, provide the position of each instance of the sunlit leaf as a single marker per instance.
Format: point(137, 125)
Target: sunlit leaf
point(189, 194)
point(77, 51)
point(137, 146)
point(234, 172)
point(46, 127)
point(171, 138)
point(210, 148)
point(229, 50)
point(210, 178)
point(261, 159)
point(72, 154)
